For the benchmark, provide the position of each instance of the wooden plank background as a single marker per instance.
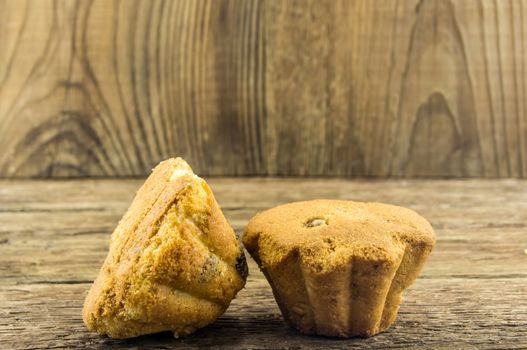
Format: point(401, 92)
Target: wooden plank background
point(244, 87)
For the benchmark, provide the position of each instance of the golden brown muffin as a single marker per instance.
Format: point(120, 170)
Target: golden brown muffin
point(338, 268)
point(174, 262)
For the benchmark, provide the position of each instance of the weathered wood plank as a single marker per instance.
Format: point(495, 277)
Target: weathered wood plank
point(54, 236)
point(74, 217)
point(350, 88)
point(17, 195)
point(110, 88)
point(36, 252)
point(439, 314)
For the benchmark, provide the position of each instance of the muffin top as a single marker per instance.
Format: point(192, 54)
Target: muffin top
point(326, 233)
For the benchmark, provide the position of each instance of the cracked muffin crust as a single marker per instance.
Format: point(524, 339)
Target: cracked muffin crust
point(338, 268)
point(174, 262)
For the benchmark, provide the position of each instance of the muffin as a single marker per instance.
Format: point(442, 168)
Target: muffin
point(338, 268)
point(174, 262)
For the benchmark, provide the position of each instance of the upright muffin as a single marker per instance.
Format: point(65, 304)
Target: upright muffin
point(174, 262)
point(338, 268)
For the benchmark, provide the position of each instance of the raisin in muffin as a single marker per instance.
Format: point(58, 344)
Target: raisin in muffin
point(338, 268)
point(174, 262)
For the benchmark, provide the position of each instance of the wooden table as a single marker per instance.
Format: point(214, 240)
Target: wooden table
point(471, 294)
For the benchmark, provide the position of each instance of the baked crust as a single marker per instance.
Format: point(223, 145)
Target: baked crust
point(174, 262)
point(338, 268)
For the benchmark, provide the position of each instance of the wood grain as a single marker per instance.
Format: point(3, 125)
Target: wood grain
point(417, 88)
point(471, 294)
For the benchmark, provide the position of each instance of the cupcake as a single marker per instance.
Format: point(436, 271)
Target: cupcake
point(338, 268)
point(174, 262)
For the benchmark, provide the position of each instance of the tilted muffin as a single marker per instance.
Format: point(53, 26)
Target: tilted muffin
point(174, 262)
point(338, 268)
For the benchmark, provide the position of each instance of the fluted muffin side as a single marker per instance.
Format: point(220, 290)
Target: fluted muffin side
point(336, 276)
point(174, 262)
